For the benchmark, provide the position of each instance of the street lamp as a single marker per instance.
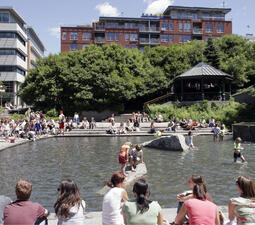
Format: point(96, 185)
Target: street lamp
point(2, 90)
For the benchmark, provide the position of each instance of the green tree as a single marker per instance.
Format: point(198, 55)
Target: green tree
point(212, 54)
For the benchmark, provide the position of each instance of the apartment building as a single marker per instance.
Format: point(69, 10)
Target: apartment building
point(17, 43)
point(177, 24)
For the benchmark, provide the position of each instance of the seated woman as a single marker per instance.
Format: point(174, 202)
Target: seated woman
point(69, 207)
point(122, 128)
point(113, 200)
point(129, 126)
point(152, 128)
point(141, 210)
point(171, 126)
point(198, 208)
point(203, 123)
point(243, 207)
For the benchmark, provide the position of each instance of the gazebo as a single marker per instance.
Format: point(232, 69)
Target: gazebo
point(203, 82)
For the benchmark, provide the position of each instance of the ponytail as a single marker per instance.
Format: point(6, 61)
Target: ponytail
point(117, 178)
point(199, 191)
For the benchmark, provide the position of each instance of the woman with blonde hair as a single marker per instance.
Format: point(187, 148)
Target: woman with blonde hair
point(243, 207)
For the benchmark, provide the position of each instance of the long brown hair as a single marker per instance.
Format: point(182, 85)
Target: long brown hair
point(199, 191)
point(68, 196)
point(247, 187)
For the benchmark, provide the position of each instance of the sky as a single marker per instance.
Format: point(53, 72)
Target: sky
point(46, 16)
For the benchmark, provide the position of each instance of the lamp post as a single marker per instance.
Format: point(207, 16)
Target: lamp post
point(1, 93)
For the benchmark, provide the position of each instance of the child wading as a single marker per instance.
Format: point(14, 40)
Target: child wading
point(123, 156)
point(190, 140)
point(238, 148)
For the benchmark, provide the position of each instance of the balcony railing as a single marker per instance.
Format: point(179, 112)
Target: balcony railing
point(99, 28)
point(99, 40)
point(147, 41)
point(149, 29)
point(197, 30)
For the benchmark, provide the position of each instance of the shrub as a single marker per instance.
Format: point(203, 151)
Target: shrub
point(52, 113)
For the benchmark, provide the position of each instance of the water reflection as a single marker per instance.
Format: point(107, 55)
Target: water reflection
point(90, 161)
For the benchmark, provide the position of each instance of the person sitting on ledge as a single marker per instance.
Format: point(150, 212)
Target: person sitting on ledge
point(136, 156)
point(152, 128)
point(122, 128)
point(23, 211)
point(159, 118)
point(203, 123)
point(171, 126)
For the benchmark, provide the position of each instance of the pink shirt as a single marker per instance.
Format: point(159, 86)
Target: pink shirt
point(201, 212)
point(23, 212)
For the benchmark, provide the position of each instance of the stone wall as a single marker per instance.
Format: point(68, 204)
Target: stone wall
point(246, 131)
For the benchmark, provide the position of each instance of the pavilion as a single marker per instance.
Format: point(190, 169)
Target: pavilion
point(203, 82)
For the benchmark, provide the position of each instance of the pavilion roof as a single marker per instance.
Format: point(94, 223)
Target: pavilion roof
point(203, 70)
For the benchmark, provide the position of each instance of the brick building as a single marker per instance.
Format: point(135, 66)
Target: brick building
point(177, 24)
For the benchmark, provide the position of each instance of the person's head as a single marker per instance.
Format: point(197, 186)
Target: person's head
point(68, 196)
point(190, 133)
point(142, 192)
point(222, 127)
point(216, 125)
point(117, 179)
point(195, 179)
point(238, 140)
point(199, 191)
point(246, 187)
point(128, 143)
point(138, 147)
point(23, 190)
point(61, 112)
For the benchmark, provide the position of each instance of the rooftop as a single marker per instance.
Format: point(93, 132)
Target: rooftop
point(203, 69)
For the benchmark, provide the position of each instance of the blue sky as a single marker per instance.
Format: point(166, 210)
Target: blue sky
point(46, 16)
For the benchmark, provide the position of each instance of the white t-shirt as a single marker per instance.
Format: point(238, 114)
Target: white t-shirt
point(111, 207)
point(77, 216)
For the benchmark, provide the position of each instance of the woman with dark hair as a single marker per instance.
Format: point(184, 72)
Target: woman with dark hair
point(142, 211)
point(198, 208)
point(243, 207)
point(69, 207)
point(113, 198)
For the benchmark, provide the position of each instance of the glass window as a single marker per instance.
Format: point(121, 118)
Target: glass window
point(134, 37)
point(73, 47)
point(206, 16)
point(187, 38)
point(4, 17)
point(84, 45)
point(112, 25)
point(220, 28)
point(164, 38)
point(86, 36)
point(117, 36)
point(184, 15)
point(178, 15)
point(171, 26)
point(133, 46)
point(171, 38)
point(194, 16)
point(187, 27)
point(12, 35)
point(126, 36)
point(209, 28)
point(180, 27)
point(73, 35)
point(110, 36)
point(164, 26)
point(180, 38)
point(63, 35)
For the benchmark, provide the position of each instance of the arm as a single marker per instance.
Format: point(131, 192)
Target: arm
point(231, 211)
point(46, 213)
point(160, 218)
point(217, 218)
point(180, 216)
point(124, 195)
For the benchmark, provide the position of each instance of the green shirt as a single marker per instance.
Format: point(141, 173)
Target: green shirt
point(134, 217)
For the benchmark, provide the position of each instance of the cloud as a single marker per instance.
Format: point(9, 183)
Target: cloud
point(105, 9)
point(157, 6)
point(55, 31)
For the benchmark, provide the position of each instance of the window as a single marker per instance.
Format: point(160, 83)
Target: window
point(206, 16)
point(164, 38)
point(180, 27)
point(171, 26)
point(164, 26)
point(84, 45)
point(63, 35)
point(126, 36)
point(112, 25)
point(194, 16)
point(73, 47)
point(184, 15)
point(187, 38)
point(134, 37)
point(209, 28)
point(220, 28)
point(74, 36)
point(110, 36)
point(4, 17)
point(180, 38)
point(117, 36)
point(9, 86)
point(12, 35)
point(133, 46)
point(12, 69)
point(171, 38)
point(178, 15)
point(187, 27)
point(86, 36)
point(12, 52)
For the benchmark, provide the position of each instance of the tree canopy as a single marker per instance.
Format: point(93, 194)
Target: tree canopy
point(111, 76)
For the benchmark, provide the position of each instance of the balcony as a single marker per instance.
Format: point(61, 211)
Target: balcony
point(99, 28)
point(147, 41)
point(149, 29)
point(197, 31)
point(99, 40)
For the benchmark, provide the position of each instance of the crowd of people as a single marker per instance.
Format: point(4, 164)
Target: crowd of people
point(195, 207)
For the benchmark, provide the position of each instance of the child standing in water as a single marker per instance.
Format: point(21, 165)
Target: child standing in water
point(238, 148)
point(221, 133)
point(123, 156)
point(190, 140)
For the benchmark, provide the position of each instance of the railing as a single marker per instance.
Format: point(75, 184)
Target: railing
point(197, 30)
point(149, 29)
point(149, 41)
point(197, 96)
point(99, 28)
point(163, 98)
point(99, 40)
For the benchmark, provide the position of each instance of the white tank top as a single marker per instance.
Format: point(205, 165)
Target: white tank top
point(111, 207)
